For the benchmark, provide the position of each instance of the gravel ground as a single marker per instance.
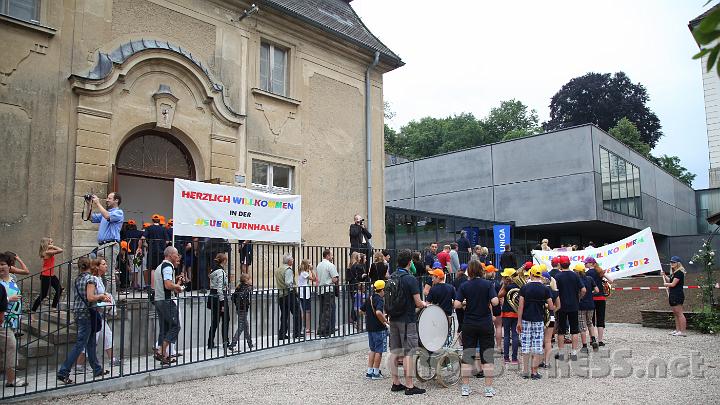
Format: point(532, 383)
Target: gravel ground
point(342, 379)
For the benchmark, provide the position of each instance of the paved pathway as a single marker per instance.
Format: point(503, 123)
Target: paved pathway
point(631, 348)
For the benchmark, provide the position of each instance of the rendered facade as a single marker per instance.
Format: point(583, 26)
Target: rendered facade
point(102, 95)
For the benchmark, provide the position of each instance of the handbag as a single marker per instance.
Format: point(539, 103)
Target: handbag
point(96, 319)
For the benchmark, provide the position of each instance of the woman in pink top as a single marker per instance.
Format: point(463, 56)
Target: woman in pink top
point(47, 276)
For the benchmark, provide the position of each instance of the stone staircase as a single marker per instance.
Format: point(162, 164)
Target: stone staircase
point(46, 335)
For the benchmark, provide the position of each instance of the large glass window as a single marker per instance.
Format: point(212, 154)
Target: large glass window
point(621, 191)
point(273, 69)
point(27, 10)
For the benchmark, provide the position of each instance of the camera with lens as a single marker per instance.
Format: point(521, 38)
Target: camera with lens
point(88, 197)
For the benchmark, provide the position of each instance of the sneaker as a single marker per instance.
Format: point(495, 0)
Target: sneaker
point(465, 390)
point(600, 343)
point(377, 376)
point(80, 369)
point(560, 356)
point(514, 362)
point(594, 346)
point(536, 376)
point(369, 375)
point(543, 365)
point(414, 391)
point(380, 375)
point(680, 334)
point(526, 376)
point(489, 392)
point(573, 357)
point(672, 333)
point(397, 387)
point(479, 374)
point(584, 350)
point(116, 363)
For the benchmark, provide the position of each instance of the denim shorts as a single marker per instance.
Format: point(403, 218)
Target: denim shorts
point(304, 303)
point(378, 341)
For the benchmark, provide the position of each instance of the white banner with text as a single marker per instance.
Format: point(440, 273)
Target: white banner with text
point(636, 254)
point(220, 211)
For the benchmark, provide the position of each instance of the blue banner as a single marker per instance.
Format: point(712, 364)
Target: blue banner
point(501, 234)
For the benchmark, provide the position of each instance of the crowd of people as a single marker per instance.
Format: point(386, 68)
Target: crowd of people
point(518, 312)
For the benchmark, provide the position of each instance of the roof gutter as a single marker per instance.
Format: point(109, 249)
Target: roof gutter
point(368, 136)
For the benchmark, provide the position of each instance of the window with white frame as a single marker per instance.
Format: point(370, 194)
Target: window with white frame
point(26, 10)
point(272, 177)
point(273, 68)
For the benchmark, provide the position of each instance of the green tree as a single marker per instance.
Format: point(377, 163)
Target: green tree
point(430, 136)
point(672, 165)
point(626, 132)
point(603, 99)
point(512, 119)
point(706, 31)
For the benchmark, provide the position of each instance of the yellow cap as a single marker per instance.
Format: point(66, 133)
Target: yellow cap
point(543, 267)
point(379, 285)
point(508, 272)
point(536, 271)
point(579, 267)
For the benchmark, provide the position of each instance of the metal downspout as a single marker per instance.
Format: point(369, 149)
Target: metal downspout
point(368, 137)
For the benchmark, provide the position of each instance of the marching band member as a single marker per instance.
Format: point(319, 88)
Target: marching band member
point(531, 310)
point(597, 273)
point(509, 317)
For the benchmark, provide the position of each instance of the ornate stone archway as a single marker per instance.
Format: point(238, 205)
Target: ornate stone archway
point(157, 86)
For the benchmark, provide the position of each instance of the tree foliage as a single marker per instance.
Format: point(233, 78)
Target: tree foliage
point(604, 99)
point(626, 132)
point(672, 165)
point(510, 120)
point(706, 34)
point(431, 136)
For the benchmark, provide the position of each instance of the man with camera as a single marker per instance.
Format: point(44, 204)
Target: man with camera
point(110, 219)
point(360, 237)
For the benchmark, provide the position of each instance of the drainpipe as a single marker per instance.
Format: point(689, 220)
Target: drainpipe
point(368, 136)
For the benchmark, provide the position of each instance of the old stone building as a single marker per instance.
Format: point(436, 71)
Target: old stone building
point(100, 95)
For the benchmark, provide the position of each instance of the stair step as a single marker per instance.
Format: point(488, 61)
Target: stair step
point(52, 332)
point(57, 317)
point(38, 348)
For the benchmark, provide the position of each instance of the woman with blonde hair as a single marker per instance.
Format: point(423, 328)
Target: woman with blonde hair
point(544, 245)
point(305, 278)
point(47, 275)
point(378, 269)
point(676, 295)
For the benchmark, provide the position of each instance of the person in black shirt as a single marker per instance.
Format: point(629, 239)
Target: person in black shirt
point(507, 259)
point(156, 238)
point(246, 256)
point(476, 296)
point(460, 279)
point(359, 236)
point(587, 310)
point(441, 294)
point(464, 247)
point(377, 326)
point(676, 295)
point(403, 328)
point(531, 311)
point(430, 256)
point(491, 275)
point(570, 291)
point(378, 269)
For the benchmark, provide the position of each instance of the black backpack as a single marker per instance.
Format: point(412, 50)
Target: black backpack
point(396, 297)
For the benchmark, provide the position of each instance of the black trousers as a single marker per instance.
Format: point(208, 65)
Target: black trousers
point(45, 283)
point(289, 304)
point(327, 312)
point(219, 311)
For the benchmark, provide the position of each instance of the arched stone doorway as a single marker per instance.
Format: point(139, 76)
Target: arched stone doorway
point(146, 164)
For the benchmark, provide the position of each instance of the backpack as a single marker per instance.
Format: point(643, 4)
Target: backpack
point(241, 298)
point(396, 298)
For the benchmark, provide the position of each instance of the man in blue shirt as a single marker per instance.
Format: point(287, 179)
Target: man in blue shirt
point(110, 219)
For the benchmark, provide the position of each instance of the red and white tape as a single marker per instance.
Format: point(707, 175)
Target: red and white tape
point(650, 288)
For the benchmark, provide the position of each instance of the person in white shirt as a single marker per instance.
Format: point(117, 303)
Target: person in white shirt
point(328, 279)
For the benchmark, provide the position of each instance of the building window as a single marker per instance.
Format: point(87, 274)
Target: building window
point(621, 191)
point(273, 69)
point(26, 10)
point(272, 177)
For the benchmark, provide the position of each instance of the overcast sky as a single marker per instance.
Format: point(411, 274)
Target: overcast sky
point(469, 55)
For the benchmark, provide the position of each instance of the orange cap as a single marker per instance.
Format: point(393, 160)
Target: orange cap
point(490, 268)
point(437, 273)
point(170, 221)
point(132, 222)
point(123, 245)
point(156, 216)
point(146, 224)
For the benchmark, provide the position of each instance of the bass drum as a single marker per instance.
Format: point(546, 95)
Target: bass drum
point(432, 328)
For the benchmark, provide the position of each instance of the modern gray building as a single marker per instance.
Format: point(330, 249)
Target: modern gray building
point(571, 186)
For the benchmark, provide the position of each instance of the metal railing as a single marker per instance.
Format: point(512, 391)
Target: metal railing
point(131, 326)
